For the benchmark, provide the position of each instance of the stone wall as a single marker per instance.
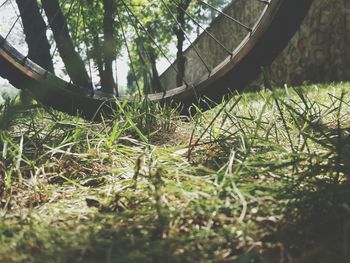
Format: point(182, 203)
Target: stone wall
point(226, 32)
point(320, 50)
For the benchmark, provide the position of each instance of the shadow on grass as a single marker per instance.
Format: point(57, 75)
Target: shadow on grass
point(316, 227)
point(317, 217)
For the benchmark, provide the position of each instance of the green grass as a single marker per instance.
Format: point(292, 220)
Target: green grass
point(263, 177)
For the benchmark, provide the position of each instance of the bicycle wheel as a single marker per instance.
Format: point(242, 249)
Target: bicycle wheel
point(245, 46)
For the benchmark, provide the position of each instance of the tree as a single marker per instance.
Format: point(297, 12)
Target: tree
point(186, 10)
point(92, 29)
point(98, 34)
point(131, 83)
point(74, 64)
point(35, 31)
point(181, 8)
point(150, 40)
point(109, 47)
point(146, 64)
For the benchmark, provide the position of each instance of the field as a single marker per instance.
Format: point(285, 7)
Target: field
point(262, 177)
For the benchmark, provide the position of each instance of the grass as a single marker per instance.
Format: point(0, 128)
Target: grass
point(263, 177)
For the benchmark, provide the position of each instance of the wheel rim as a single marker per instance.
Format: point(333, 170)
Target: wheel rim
point(246, 58)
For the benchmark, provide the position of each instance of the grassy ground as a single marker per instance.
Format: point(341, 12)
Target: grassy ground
point(261, 178)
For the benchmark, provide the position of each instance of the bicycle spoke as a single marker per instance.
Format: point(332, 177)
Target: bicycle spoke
point(128, 51)
point(62, 27)
point(187, 37)
point(205, 30)
point(227, 16)
point(4, 3)
point(151, 38)
point(86, 44)
point(155, 37)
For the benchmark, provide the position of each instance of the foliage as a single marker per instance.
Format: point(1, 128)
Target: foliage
point(141, 33)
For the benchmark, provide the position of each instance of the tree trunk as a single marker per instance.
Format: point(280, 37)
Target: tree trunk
point(74, 64)
point(96, 47)
point(156, 84)
point(146, 82)
point(109, 47)
point(180, 58)
point(35, 31)
point(97, 52)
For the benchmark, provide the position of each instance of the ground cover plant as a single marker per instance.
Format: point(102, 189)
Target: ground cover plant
point(262, 177)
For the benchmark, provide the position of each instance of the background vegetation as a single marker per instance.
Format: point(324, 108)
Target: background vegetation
point(7, 92)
